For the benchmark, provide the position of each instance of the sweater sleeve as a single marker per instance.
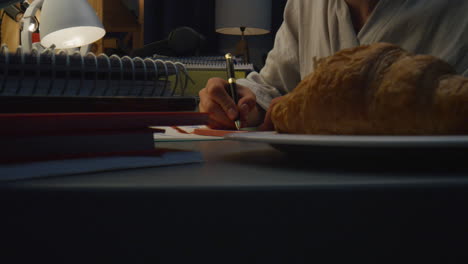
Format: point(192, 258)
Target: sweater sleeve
point(281, 71)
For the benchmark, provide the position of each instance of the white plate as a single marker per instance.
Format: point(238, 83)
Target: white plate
point(362, 142)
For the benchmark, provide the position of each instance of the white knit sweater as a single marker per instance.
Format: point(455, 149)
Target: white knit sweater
point(319, 28)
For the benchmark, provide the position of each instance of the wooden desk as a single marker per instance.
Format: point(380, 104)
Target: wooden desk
point(247, 203)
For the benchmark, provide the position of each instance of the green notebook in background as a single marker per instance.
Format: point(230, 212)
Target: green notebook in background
point(202, 68)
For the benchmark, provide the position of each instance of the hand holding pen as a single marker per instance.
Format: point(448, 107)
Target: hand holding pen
point(216, 98)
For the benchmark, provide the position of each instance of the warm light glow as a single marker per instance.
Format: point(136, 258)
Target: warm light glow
point(73, 42)
point(72, 37)
point(237, 31)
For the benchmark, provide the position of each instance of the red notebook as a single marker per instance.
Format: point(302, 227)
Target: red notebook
point(67, 135)
point(26, 148)
point(60, 123)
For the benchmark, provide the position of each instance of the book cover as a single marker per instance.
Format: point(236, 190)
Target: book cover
point(60, 123)
point(67, 145)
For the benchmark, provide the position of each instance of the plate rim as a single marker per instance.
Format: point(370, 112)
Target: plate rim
point(361, 141)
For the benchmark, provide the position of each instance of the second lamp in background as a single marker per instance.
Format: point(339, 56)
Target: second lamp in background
point(244, 18)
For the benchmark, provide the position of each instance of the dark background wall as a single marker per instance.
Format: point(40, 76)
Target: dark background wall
point(162, 16)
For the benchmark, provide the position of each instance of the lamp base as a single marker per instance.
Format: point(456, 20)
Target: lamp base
point(242, 50)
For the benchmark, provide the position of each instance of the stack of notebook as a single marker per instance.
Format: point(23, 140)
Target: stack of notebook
point(59, 106)
point(44, 136)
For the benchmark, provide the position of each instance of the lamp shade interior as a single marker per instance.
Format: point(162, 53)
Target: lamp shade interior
point(72, 37)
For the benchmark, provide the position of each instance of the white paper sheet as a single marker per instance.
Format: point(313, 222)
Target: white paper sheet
point(172, 135)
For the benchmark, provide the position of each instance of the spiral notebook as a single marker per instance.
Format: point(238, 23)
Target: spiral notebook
point(51, 81)
point(194, 63)
point(202, 68)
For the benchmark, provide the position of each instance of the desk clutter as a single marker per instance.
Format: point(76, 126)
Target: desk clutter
point(51, 144)
point(65, 113)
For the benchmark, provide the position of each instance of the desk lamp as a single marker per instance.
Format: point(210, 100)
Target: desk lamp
point(243, 17)
point(65, 24)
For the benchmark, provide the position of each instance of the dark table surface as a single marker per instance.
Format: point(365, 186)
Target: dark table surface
point(247, 202)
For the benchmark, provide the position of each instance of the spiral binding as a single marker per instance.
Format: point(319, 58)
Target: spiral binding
point(207, 62)
point(51, 73)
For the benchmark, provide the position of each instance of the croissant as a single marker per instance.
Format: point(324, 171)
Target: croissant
point(377, 89)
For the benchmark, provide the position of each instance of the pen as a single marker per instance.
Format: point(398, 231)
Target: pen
point(232, 83)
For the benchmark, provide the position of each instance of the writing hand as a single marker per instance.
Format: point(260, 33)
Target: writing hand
point(215, 100)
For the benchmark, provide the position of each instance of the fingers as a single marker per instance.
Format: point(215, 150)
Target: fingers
point(246, 104)
point(215, 100)
point(223, 111)
point(218, 118)
point(267, 123)
point(217, 92)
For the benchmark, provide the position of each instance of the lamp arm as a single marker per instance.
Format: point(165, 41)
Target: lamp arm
point(28, 17)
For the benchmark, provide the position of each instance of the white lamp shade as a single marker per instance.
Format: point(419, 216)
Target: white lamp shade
point(254, 15)
point(69, 24)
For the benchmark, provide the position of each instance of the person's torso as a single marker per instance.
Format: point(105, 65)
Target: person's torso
point(435, 27)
